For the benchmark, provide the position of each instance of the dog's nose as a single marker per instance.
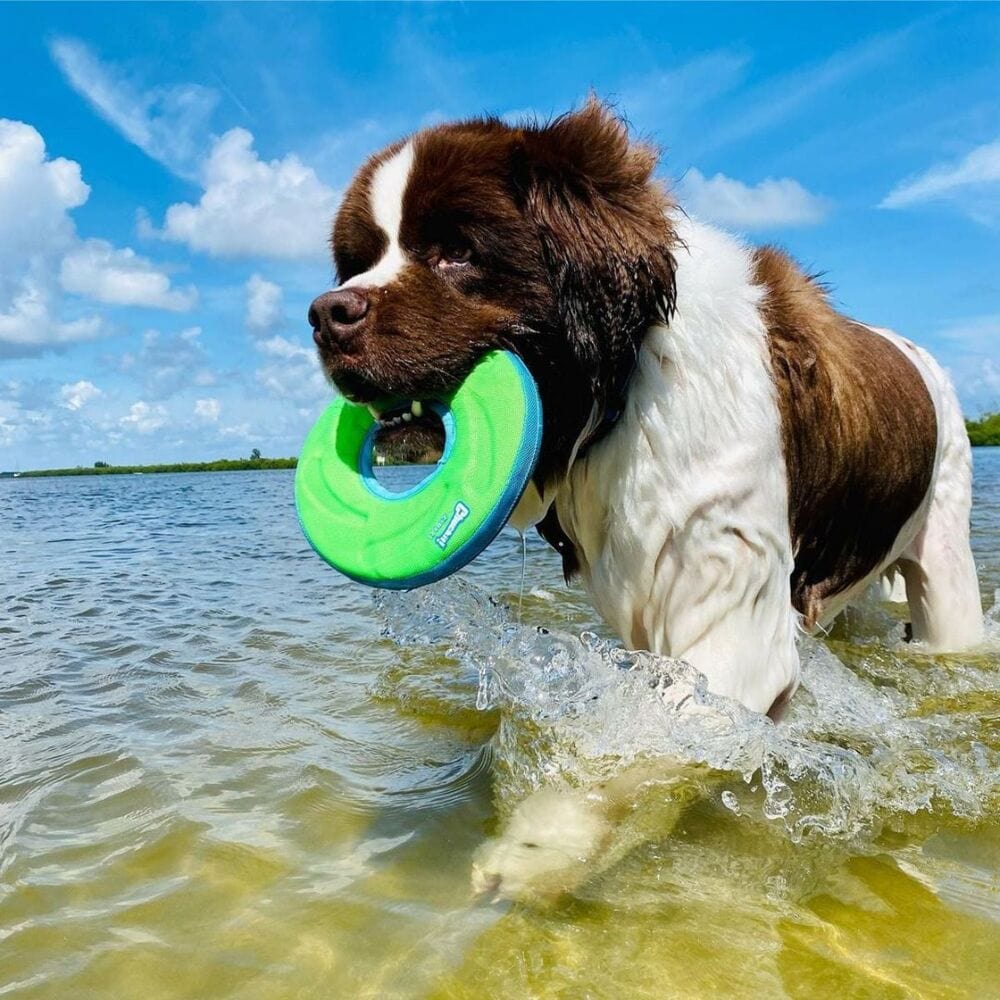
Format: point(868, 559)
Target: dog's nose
point(336, 316)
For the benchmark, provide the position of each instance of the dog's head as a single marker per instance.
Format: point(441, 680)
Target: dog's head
point(551, 241)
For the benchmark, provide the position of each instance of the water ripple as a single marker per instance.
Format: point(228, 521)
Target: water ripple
point(227, 773)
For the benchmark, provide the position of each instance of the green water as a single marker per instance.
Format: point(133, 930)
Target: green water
point(220, 778)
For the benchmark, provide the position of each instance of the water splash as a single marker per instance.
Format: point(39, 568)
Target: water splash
point(524, 568)
point(895, 734)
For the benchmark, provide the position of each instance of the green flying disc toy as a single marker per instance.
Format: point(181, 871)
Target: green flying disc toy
point(493, 431)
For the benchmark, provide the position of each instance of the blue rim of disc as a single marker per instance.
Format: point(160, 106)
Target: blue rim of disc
point(367, 470)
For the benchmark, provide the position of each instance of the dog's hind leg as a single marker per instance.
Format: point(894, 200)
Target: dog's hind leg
point(941, 586)
point(940, 573)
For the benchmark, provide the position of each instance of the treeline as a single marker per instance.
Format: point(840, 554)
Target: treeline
point(220, 465)
point(985, 430)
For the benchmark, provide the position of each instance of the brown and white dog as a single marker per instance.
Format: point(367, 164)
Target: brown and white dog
point(726, 459)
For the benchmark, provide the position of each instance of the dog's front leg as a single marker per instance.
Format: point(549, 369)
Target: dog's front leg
point(560, 837)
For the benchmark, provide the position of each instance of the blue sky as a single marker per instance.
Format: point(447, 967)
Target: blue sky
point(167, 175)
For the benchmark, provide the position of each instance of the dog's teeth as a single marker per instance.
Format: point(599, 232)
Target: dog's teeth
point(407, 416)
point(417, 408)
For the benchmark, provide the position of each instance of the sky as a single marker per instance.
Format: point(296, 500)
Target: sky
point(168, 175)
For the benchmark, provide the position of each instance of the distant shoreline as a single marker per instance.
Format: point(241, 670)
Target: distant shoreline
point(220, 465)
point(985, 430)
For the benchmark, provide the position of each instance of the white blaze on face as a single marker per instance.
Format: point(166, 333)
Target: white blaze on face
point(388, 184)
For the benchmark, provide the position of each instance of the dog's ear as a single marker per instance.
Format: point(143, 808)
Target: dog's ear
point(605, 236)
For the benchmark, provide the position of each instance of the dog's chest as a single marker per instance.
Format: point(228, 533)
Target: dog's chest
point(683, 505)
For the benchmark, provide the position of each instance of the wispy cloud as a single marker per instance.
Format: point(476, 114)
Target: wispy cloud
point(660, 99)
point(249, 206)
point(169, 363)
point(436, 69)
point(973, 181)
point(769, 204)
point(294, 374)
point(785, 96)
point(972, 349)
point(169, 124)
point(977, 335)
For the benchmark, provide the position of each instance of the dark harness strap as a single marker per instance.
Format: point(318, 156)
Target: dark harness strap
point(614, 408)
point(549, 527)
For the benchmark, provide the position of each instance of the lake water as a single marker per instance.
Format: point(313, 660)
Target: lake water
point(228, 772)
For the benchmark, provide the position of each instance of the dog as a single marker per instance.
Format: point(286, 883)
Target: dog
point(726, 460)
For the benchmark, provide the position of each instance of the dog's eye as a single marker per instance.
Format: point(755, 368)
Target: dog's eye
point(529, 844)
point(453, 256)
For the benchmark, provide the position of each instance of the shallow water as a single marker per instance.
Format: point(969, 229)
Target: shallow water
point(228, 773)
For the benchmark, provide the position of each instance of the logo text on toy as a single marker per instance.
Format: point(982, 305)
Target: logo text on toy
point(459, 514)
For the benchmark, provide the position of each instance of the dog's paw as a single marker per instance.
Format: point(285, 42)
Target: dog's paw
point(551, 844)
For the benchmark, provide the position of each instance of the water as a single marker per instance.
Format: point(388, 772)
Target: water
point(228, 773)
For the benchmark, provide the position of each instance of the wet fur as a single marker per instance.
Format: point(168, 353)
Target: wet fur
point(876, 455)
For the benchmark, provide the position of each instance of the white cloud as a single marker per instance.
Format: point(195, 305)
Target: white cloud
point(337, 152)
point(121, 277)
point(16, 424)
point(77, 395)
point(207, 409)
point(169, 124)
point(770, 203)
point(973, 179)
point(282, 347)
point(144, 418)
point(36, 192)
point(25, 408)
point(264, 307)
point(42, 257)
point(252, 207)
point(36, 197)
